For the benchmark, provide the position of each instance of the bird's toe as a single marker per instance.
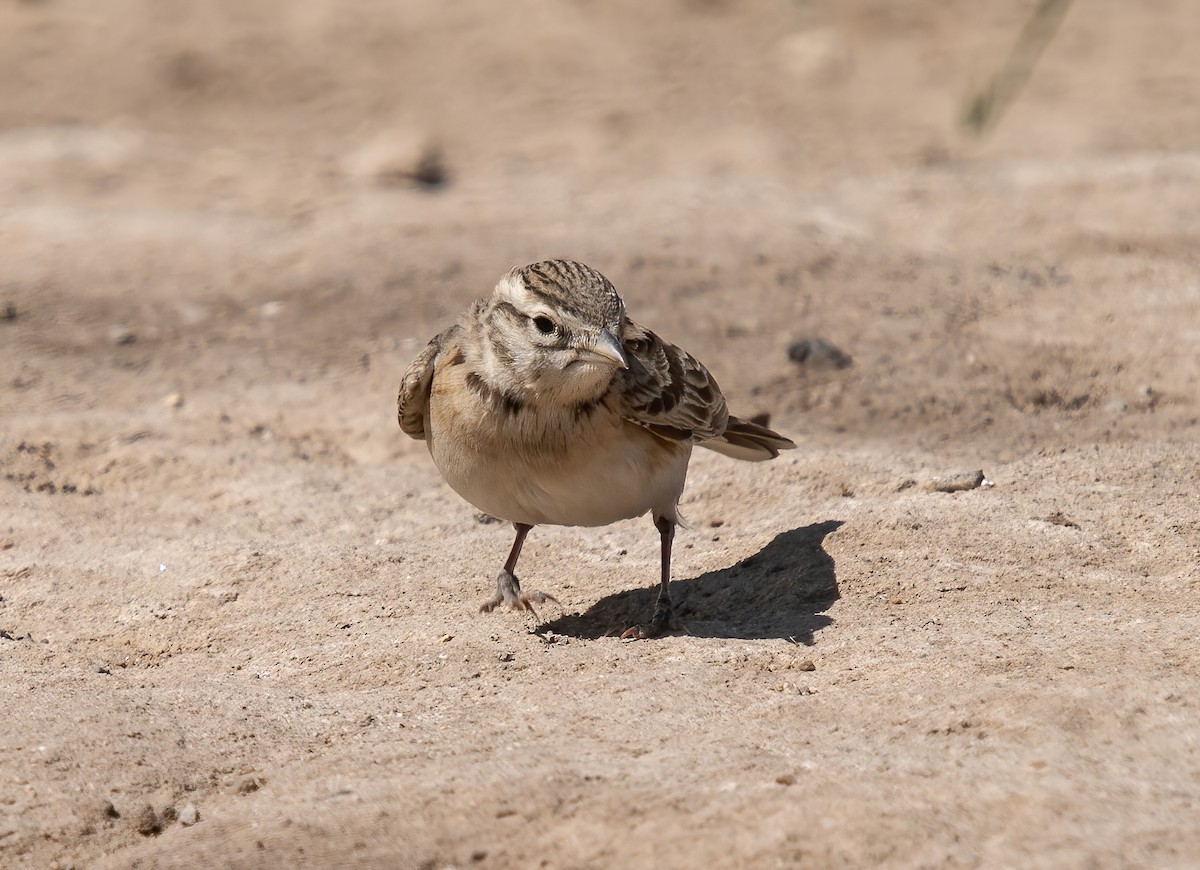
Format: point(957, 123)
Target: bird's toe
point(662, 620)
point(510, 596)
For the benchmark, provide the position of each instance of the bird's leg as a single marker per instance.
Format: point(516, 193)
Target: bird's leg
point(664, 614)
point(508, 587)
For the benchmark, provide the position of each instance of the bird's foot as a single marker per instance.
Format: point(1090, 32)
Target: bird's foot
point(509, 595)
point(662, 620)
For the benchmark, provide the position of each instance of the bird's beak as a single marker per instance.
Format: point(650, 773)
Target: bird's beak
point(607, 347)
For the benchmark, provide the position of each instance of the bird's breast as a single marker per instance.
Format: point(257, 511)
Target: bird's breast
point(577, 465)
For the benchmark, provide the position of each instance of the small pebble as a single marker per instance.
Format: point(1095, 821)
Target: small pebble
point(1116, 406)
point(1058, 518)
point(175, 400)
point(8, 311)
point(806, 665)
point(189, 815)
point(6, 543)
point(817, 353)
point(120, 334)
point(785, 779)
point(430, 170)
point(957, 482)
point(400, 158)
point(446, 638)
point(148, 824)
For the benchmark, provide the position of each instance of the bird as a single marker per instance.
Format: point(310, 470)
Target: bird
point(545, 404)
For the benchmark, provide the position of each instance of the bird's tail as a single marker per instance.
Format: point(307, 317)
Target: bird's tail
point(743, 439)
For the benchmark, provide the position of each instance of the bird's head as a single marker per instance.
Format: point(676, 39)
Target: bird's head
point(554, 329)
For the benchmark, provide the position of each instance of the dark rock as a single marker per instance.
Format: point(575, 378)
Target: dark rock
point(147, 823)
point(817, 353)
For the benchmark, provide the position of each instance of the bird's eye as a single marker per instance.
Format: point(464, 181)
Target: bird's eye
point(544, 325)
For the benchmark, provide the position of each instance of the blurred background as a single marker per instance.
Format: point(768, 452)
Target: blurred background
point(749, 174)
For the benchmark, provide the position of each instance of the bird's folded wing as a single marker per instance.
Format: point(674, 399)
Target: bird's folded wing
point(414, 389)
point(668, 391)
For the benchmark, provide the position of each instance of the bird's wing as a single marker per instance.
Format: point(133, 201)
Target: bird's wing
point(414, 389)
point(666, 390)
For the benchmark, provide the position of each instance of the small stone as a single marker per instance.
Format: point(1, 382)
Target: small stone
point(400, 158)
point(817, 353)
point(6, 543)
point(8, 311)
point(103, 669)
point(446, 638)
point(1145, 392)
point(189, 815)
point(174, 400)
point(478, 855)
point(957, 482)
point(1116, 406)
point(785, 779)
point(250, 784)
point(506, 657)
point(147, 823)
point(120, 334)
point(486, 519)
point(806, 665)
point(270, 309)
point(430, 170)
point(1058, 518)
point(110, 812)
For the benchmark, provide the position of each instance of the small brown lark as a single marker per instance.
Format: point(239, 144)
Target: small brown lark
point(544, 403)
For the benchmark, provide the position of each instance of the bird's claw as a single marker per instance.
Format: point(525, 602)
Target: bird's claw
point(662, 620)
point(509, 595)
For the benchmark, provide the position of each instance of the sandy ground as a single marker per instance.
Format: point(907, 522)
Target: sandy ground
point(234, 595)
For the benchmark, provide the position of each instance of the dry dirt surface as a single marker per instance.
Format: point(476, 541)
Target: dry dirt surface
point(238, 608)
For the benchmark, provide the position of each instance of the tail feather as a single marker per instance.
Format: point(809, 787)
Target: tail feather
point(749, 441)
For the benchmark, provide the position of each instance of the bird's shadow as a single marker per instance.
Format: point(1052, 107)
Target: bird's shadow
point(782, 591)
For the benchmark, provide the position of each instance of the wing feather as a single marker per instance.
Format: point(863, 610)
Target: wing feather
point(414, 388)
point(668, 391)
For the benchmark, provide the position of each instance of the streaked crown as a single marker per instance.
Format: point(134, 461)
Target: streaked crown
point(573, 288)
